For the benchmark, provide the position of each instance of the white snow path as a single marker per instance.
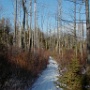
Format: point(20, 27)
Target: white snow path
point(47, 78)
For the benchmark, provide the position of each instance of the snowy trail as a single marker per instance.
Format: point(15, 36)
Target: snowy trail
point(47, 78)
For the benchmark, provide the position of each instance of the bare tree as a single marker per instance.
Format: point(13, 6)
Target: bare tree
point(75, 36)
point(15, 23)
point(30, 33)
point(36, 42)
point(88, 30)
point(59, 23)
point(24, 17)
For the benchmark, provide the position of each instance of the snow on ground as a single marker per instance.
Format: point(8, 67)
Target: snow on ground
point(47, 78)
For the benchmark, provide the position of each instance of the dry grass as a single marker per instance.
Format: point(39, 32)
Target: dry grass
point(65, 58)
point(36, 62)
point(22, 65)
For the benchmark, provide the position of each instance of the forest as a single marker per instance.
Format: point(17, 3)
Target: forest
point(41, 35)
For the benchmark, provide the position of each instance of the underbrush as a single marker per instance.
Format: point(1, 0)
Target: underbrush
point(19, 69)
point(65, 58)
point(71, 79)
point(72, 71)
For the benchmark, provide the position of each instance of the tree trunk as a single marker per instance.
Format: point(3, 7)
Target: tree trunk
point(75, 36)
point(88, 31)
point(23, 29)
point(30, 33)
point(15, 24)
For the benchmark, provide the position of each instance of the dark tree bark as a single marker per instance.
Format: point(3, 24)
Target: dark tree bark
point(15, 24)
point(88, 30)
point(23, 30)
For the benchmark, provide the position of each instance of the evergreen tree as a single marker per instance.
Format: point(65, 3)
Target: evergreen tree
point(71, 79)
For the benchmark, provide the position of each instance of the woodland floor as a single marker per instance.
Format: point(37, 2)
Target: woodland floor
point(47, 79)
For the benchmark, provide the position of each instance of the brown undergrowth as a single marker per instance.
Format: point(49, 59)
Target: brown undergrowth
point(72, 70)
point(20, 68)
point(65, 57)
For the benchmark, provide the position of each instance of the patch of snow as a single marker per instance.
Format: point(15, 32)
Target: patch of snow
point(47, 78)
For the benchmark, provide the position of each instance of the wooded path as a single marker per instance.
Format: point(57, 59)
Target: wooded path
point(47, 79)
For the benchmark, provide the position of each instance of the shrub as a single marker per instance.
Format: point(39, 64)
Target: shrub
point(72, 77)
point(20, 66)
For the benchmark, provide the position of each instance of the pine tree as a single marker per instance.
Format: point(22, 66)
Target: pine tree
point(71, 79)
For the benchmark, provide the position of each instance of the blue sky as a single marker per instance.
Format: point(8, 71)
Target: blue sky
point(7, 8)
point(50, 8)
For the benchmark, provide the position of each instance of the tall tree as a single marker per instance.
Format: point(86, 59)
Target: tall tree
point(59, 23)
point(88, 29)
point(15, 23)
point(75, 36)
point(24, 17)
point(30, 33)
point(36, 42)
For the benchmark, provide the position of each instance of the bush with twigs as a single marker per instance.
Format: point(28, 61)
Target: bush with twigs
point(20, 67)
